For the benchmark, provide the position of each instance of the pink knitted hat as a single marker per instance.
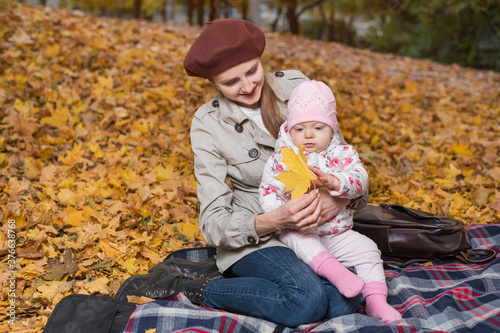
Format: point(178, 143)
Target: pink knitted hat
point(312, 101)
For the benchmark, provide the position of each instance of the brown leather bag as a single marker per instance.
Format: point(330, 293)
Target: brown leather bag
point(406, 236)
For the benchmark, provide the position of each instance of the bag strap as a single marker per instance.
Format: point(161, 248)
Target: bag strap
point(471, 255)
point(400, 262)
point(466, 257)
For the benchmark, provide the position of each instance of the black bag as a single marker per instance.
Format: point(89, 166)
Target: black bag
point(406, 236)
point(89, 313)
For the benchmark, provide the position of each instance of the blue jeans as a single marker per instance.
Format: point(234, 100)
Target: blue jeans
point(274, 284)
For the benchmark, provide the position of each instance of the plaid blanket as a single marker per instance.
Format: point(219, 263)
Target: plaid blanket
point(438, 297)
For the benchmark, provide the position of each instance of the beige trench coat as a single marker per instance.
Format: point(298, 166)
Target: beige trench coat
point(227, 144)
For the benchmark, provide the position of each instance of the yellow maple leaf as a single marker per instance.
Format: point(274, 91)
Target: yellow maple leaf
point(31, 168)
point(298, 178)
point(75, 217)
point(106, 82)
point(67, 197)
point(73, 156)
point(22, 107)
point(130, 264)
point(52, 51)
point(189, 229)
point(164, 173)
point(51, 289)
point(31, 270)
point(141, 125)
point(151, 255)
point(140, 300)
point(164, 92)
point(99, 286)
point(461, 149)
point(110, 249)
point(58, 116)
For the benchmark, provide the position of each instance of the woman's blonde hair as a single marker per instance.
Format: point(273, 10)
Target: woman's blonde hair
point(271, 116)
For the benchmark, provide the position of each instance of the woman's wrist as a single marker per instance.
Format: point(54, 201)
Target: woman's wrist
point(263, 224)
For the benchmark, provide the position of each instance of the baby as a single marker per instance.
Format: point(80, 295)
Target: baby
point(333, 247)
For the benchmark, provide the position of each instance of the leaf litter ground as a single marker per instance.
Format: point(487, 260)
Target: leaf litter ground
point(97, 169)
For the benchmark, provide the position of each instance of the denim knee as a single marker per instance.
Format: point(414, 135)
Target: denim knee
point(308, 306)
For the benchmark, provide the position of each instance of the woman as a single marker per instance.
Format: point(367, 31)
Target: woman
point(232, 137)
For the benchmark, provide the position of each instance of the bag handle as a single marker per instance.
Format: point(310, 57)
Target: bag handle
point(419, 215)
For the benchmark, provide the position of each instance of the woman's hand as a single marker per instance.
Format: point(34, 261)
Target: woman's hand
point(300, 213)
point(330, 206)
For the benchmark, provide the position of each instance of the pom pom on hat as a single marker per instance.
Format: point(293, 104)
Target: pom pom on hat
point(223, 44)
point(312, 101)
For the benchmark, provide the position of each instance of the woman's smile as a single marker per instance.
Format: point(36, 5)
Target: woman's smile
point(251, 94)
point(242, 83)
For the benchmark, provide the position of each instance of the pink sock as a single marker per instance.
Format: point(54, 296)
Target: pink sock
point(375, 294)
point(326, 265)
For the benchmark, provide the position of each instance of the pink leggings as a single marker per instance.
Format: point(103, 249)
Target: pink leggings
point(350, 248)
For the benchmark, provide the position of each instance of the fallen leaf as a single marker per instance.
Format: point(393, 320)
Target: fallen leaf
point(75, 217)
point(57, 269)
point(139, 300)
point(99, 286)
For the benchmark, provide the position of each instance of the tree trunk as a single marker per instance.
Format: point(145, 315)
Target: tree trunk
point(170, 10)
point(274, 25)
point(321, 30)
point(201, 7)
point(137, 9)
point(214, 10)
point(350, 30)
point(190, 11)
point(331, 25)
point(244, 9)
point(293, 21)
point(163, 11)
point(255, 12)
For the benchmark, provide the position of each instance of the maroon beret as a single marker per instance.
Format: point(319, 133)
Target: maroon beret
point(223, 44)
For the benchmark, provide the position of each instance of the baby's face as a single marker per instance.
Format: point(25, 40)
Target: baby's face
point(315, 136)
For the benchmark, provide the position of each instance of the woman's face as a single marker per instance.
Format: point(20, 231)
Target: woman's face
point(242, 83)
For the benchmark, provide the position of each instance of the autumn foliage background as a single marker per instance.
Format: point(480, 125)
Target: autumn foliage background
point(95, 160)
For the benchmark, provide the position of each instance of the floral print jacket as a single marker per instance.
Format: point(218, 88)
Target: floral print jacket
point(340, 160)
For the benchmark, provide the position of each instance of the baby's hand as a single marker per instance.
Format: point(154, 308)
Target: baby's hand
point(324, 179)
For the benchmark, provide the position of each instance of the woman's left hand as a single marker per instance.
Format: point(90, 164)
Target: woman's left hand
point(330, 206)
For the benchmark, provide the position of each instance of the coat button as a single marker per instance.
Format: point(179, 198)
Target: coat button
point(279, 74)
point(251, 240)
point(253, 153)
point(215, 104)
point(238, 128)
